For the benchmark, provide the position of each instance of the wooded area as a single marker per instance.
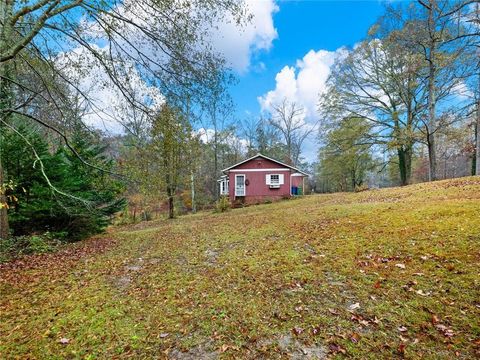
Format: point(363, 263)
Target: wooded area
point(413, 84)
point(402, 106)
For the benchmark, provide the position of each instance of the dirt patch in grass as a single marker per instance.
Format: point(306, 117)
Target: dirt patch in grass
point(198, 352)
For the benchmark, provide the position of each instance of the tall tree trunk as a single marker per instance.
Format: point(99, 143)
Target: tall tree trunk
point(6, 99)
point(432, 72)
point(402, 166)
point(171, 211)
point(405, 163)
point(192, 184)
point(216, 192)
point(408, 163)
point(474, 157)
point(4, 228)
point(477, 134)
point(192, 172)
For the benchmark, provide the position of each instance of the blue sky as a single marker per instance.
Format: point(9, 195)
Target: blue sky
point(301, 26)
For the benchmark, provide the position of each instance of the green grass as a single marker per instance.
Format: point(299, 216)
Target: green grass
point(241, 283)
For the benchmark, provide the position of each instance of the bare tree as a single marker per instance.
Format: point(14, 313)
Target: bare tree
point(249, 133)
point(217, 106)
point(436, 30)
point(289, 119)
point(376, 82)
point(477, 131)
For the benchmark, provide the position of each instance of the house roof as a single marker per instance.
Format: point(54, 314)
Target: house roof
point(265, 157)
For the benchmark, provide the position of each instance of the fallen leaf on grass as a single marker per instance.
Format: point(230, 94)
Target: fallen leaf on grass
point(449, 333)
point(355, 338)
point(363, 321)
point(297, 330)
point(402, 329)
point(164, 335)
point(445, 330)
point(333, 311)
point(223, 348)
point(335, 348)
point(354, 306)
point(422, 293)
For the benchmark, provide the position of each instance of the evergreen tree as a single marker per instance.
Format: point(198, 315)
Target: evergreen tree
point(56, 191)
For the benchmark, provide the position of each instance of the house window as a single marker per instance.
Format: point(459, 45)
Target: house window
point(274, 179)
point(224, 187)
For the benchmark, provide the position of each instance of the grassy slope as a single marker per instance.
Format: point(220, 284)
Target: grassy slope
point(239, 283)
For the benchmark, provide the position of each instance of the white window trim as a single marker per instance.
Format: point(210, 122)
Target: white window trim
point(259, 170)
point(275, 184)
point(224, 190)
point(244, 187)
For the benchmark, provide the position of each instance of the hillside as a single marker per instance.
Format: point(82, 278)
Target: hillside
point(378, 274)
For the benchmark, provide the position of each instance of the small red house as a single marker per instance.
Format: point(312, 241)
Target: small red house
point(261, 178)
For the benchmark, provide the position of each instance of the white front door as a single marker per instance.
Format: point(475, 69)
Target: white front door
point(239, 185)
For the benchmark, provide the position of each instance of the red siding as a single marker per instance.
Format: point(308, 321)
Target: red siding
point(259, 163)
point(257, 189)
point(257, 186)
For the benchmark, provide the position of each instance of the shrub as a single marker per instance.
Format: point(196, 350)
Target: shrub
point(26, 245)
point(222, 204)
point(360, 188)
point(146, 215)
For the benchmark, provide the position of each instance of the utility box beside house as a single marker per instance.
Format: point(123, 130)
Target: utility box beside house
point(259, 179)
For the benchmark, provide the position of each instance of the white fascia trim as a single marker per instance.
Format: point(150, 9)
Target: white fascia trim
point(258, 170)
point(265, 157)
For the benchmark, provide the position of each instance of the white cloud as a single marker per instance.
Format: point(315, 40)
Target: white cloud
point(462, 91)
point(107, 107)
point(303, 83)
point(206, 136)
point(239, 43)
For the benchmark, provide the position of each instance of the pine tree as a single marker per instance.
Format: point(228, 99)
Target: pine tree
point(58, 192)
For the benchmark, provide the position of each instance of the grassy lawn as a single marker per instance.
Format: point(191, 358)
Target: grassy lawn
point(379, 274)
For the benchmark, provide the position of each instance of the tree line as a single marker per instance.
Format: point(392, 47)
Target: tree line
point(59, 173)
point(406, 100)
